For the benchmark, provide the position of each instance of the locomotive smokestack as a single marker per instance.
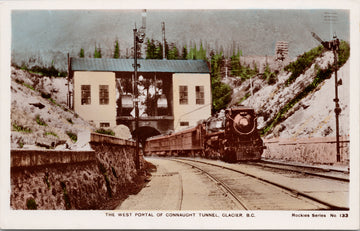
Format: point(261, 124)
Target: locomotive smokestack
point(163, 38)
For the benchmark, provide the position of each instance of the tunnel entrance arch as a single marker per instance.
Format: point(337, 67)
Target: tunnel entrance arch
point(144, 132)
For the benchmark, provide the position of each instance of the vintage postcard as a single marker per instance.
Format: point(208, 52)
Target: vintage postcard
point(181, 115)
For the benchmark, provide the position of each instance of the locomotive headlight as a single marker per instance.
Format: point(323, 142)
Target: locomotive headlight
point(241, 121)
point(243, 124)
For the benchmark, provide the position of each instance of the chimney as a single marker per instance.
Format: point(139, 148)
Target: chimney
point(163, 38)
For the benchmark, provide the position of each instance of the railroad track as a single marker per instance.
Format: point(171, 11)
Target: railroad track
point(318, 172)
point(181, 193)
point(229, 192)
point(253, 192)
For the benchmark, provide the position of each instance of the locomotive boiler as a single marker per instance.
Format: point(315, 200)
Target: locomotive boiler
point(231, 136)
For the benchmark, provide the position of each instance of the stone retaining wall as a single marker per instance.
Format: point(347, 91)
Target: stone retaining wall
point(53, 179)
point(28, 158)
point(307, 150)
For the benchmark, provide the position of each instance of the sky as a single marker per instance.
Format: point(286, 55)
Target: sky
point(47, 35)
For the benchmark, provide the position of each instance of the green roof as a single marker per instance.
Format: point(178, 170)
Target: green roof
point(146, 65)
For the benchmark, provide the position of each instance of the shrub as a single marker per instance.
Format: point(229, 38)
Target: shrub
point(344, 53)
point(51, 133)
point(31, 204)
point(40, 121)
point(270, 77)
point(46, 71)
point(72, 136)
point(70, 120)
point(105, 131)
point(20, 128)
point(20, 143)
point(29, 86)
point(299, 66)
point(321, 75)
point(53, 101)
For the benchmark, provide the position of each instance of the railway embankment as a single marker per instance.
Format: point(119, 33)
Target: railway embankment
point(321, 150)
point(74, 179)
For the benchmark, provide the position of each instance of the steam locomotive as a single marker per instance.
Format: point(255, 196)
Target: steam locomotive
point(232, 136)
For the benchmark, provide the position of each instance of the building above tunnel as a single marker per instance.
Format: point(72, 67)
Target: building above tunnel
point(173, 93)
point(146, 65)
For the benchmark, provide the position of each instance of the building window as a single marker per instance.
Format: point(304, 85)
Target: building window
point(104, 94)
point(85, 94)
point(199, 94)
point(183, 94)
point(102, 125)
point(184, 123)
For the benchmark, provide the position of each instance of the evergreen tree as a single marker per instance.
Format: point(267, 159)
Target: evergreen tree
point(150, 49)
point(82, 53)
point(196, 54)
point(158, 51)
point(173, 52)
point(269, 76)
point(193, 51)
point(117, 50)
point(97, 52)
point(221, 93)
point(201, 54)
point(184, 52)
point(235, 68)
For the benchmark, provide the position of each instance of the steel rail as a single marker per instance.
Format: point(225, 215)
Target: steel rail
point(181, 192)
point(217, 181)
point(291, 190)
point(304, 166)
point(299, 171)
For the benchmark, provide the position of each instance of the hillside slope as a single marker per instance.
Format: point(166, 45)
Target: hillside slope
point(312, 116)
point(37, 118)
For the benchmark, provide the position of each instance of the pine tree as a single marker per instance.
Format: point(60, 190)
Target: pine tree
point(201, 54)
point(221, 93)
point(82, 53)
point(97, 52)
point(235, 67)
point(150, 49)
point(173, 52)
point(117, 50)
point(184, 52)
point(158, 51)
